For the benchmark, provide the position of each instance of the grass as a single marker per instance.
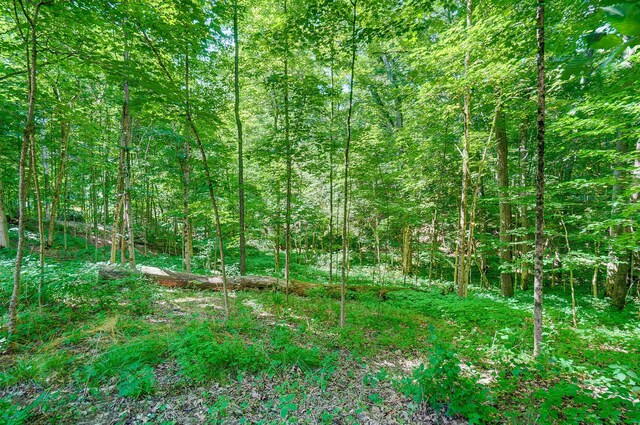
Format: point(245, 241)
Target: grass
point(142, 347)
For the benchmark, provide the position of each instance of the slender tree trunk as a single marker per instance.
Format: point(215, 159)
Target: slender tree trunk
point(540, 177)
point(434, 243)
point(573, 293)
point(115, 240)
point(127, 136)
point(185, 172)
point(596, 267)
point(635, 197)
point(64, 132)
point(506, 278)
point(345, 219)
point(524, 219)
point(212, 197)
point(277, 242)
point(66, 211)
point(4, 226)
point(118, 236)
point(461, 251)
point(94, 212)
point(287, 141)
point(28, 138)
point(216, 213)
point(618, 264)
point(407, 253)
point(470, 243)
point(243, 266)
point(331, 146)
point(185, 209)
point(41, 236)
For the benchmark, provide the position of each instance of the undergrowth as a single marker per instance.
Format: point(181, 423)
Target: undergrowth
point(461, 357)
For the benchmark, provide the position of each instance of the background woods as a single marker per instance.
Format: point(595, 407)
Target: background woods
point(471, 148)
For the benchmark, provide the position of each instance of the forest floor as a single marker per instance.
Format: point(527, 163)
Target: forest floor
point(130, 351)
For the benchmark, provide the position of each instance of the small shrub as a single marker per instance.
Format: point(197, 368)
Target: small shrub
point(203, 354)
point(442, 387)
point(137, 380)
point(125, 358)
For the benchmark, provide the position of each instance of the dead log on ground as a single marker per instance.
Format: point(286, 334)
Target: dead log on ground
point(171, 279)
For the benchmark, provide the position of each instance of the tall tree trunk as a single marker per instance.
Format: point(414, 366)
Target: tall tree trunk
point(573, 292)
point(345, 219)
point(186, 233)
point(331, 146)
point(524, 218)
point(4, 226)
point(540, 177)
point(236, 108)
point(277, 242)
point(470, 243)
point(117, 224)
point(65, 129)
point(127, 134)
point(212, 196)
point(461, 251)
point(216, 213)
point(41, 237)
point(118, 235)
point(618, 264)
point(506, 278)
point(635, 197)
point(407, 253)
point(28, 138)
point(287, 141)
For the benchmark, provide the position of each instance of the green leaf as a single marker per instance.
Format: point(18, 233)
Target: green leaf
point(625, 18)
point(618, 50)
point(598, 40)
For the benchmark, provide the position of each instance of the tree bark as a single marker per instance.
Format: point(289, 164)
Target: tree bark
point(287, 141)
point(540, 178)
point(243, 266)
point(4, 226)
point(524, 219)
point(41, 237)
point(331, 146)
point(407, 253)
point(65, 129)
point(186, 234)
point(28, 138)
point(127, 134)
point(461, 251)
point(345, 215)
point(506, 278)
point(171, 279)
point(618, 264)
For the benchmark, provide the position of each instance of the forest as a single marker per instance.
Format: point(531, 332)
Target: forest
point(319, 211)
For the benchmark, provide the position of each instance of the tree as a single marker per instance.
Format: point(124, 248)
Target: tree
point(29, 36)
point(345, 216)
point(506, 277)
point(461, 250)
point(540, 177)
point(236, 108)
point(4, 229)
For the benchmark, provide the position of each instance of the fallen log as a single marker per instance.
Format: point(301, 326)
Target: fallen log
point(171, 279)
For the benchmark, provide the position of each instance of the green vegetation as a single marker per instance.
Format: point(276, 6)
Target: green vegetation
point(400, 358)
point(319, 211)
